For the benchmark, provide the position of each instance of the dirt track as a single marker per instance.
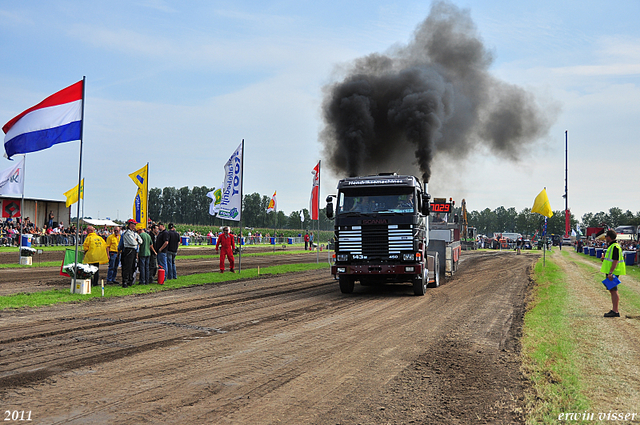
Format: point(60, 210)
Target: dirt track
point(288, 349)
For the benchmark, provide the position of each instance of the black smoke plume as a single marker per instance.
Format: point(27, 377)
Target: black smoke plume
point(434, 96)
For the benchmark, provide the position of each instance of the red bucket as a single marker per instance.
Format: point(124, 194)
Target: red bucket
point(160, 276)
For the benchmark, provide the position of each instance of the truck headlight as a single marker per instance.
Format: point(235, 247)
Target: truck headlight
point(409, 269)
point(408, 257)
point(342, 269)
point(342, 257)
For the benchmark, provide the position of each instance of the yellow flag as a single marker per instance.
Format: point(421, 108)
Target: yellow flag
point(140, 201)
point(541, 204)
point(140, 177)
point(72, 194)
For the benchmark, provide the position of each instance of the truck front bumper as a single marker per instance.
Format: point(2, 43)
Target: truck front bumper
point(378, 269)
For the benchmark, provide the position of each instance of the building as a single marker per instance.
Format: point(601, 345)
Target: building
point(37, 210)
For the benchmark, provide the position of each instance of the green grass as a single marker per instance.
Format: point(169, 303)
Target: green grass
point(56, 296)
point(44, 248)
point(247, 253)
point(35, 264)
point(547, 347)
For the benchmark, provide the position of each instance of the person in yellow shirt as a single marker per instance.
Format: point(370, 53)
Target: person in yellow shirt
point(113, 240)
point(95, 252)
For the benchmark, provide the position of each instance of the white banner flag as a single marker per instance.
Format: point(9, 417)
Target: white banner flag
point(12, 179)
point(216, 198)
point(273, 204)
point(231, 200)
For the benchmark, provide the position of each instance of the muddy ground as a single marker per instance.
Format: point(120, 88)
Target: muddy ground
point(285, 349)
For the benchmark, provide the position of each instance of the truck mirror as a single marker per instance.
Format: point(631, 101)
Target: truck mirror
point(329, 210)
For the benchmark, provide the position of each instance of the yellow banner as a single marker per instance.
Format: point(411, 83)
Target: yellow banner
point(140, 201)
point(140, 209)
point(140, 177)
point(72, 194)
point(541, 204)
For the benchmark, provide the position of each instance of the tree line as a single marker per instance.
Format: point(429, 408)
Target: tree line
point(191, 206)
point(501, 219)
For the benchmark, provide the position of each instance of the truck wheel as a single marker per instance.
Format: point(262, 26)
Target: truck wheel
point(346, 284)
point(436, 273)
point(420, 283)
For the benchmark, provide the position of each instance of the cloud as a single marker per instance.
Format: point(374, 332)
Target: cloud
point(160, 5)
point(123, 40)
point(599, 70)
point(15, 19)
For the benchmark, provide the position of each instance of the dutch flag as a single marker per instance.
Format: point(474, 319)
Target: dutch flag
point(57, 119)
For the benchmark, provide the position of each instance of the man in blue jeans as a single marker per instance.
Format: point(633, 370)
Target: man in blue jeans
point(114, 256)
point(162, 241)
point(172, 251)
point(144, 253)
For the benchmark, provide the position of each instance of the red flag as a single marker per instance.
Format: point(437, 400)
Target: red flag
point(314, 203)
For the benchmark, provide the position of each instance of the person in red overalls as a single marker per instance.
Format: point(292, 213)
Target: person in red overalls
point(226, 241)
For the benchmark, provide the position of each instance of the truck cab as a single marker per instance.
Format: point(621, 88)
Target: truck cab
point(381, 231)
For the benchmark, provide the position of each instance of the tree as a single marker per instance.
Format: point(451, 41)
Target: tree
point(251, 210)
point(185, 204)
point(306, 223)
point(282, 220)
point(201, 205)
point(169, 204)
point(154, 203)
point(527, 222)
point(325, 223)
point(294, 221)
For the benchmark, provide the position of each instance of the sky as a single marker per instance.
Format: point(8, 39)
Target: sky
point(179, 85)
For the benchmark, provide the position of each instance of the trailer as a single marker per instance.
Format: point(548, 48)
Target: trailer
point(444, 235)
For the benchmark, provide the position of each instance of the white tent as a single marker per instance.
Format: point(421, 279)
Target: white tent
point(98, 222)
point(619, 237)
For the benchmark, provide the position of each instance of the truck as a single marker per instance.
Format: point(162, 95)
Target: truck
point(381, 232)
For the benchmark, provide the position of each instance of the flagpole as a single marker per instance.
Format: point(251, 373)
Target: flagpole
point(318, 232)
point(567, 218)
point(22, 210)
point(146, 204)
point(275, 224)
point(81, 192)
point(544, 244)
point(75, 273)
point(241, 195)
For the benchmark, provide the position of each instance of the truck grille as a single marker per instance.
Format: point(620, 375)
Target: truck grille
point(375, 240)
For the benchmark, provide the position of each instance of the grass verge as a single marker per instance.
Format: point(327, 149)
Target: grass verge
point(547, 346)
point(629, 293)
point(56, 296)
point(180, 257)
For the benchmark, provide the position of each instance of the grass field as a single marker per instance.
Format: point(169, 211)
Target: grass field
point(566, 343)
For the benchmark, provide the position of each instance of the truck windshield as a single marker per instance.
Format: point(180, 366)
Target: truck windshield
point(377, 200)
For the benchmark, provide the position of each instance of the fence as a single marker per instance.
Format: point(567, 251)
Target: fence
point(43, 240)
point(70, 240)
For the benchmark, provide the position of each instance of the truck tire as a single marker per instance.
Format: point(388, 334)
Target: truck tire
point(436, 273)
point(346, 284)
point(420, 283)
